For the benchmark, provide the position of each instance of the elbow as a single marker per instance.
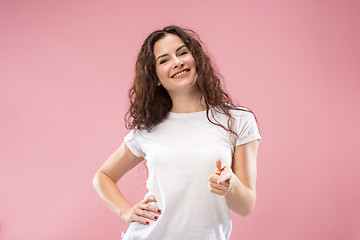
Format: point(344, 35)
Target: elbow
point(250, 206)
point(95, 180)
point(246, 212)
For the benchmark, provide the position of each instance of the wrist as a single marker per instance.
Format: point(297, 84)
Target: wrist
point(125, 213)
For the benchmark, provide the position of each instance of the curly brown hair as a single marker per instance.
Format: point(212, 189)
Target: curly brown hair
point(150, 103)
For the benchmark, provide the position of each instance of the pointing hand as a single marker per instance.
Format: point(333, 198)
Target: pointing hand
point(220, 179)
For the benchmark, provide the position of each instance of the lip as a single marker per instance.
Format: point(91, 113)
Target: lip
point(180, 72)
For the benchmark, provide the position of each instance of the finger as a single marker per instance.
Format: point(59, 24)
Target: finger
point(213, 177)
point(218, 187)
point(225, 175)
point(150, 207)
point(218, 165)
point(145, 214)
point(225, 178)
point(150, 198)
point(226, 183)
point(216, 191)
point(216, 179)
point(141, 220)
point(223, 185)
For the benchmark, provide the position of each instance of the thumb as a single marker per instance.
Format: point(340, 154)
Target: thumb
point(224, 176)
point(218, 165)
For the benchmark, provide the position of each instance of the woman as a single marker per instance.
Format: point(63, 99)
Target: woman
point(200, 149)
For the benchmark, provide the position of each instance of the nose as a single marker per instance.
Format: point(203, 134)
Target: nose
point(178, 63)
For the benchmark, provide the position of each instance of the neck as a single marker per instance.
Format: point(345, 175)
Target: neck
point(186, 103)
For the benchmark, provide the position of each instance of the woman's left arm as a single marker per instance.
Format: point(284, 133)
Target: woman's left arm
point(241, 196)
point(238, 184)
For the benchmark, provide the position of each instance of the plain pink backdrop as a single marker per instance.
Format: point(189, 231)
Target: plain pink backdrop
point(66, 66)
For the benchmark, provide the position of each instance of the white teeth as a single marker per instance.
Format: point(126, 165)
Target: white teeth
point(181, 73)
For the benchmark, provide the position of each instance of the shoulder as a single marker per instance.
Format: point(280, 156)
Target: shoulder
point(135, 132)
point(237, 112)
point(240, 112)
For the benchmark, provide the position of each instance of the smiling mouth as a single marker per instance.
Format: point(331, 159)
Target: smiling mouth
point(181, 73)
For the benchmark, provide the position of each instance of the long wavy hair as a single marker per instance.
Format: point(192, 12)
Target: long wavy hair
point(150, 103)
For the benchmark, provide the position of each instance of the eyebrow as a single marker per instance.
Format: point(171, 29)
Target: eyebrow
point(163, 55)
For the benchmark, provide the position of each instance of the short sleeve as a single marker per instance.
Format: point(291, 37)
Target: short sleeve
point(247, 129)
point(133, 142)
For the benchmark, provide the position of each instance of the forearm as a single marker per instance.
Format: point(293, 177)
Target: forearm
point(240, 198)
point(110, 194)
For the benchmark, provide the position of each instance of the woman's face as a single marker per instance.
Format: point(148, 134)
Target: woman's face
point(172, 57)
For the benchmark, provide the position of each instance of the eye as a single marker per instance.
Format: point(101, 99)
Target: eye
point(182, 53)
point(162, 61)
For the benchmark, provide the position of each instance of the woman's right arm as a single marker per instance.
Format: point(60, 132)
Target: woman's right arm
point(120, 162)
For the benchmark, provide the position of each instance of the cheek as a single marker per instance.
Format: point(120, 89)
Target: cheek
point(163, 72)
point(159, 72)
point(191, 59)
point(193, 63)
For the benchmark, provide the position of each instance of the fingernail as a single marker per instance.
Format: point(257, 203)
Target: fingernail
point(156, 217)
point(147, 223)
point(159, 211)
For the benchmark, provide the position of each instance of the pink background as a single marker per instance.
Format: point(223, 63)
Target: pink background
point(65, 67)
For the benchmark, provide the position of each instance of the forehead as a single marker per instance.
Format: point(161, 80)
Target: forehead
point(167, 44)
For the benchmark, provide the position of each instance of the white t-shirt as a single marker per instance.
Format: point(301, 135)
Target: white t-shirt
point(181, 153)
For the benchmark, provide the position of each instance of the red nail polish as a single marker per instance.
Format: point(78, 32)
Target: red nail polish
point(147, 223)
point(159, 211)
point(156, 217)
